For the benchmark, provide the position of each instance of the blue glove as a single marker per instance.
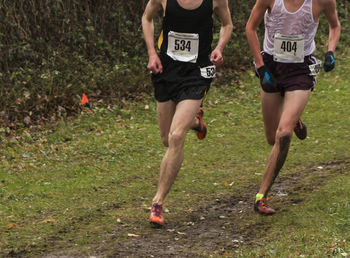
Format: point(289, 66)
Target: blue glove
point(267, 80)
point(329, 62)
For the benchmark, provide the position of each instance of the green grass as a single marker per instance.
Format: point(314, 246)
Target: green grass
point(68, 186)
point(317, 228)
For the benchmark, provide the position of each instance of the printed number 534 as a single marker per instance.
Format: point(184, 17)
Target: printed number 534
point(182, 45)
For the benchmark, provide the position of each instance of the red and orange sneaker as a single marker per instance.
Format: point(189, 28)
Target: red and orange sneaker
point(201, 131)
point(300, 130)
point(156, 217)
point(260, 206)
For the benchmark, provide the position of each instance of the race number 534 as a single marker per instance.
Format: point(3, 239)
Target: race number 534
point(182, 45)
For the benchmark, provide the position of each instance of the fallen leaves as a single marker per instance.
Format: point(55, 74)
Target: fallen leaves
point(133, 235)
point(48, 220)
point(229, 184)
point(10, 226)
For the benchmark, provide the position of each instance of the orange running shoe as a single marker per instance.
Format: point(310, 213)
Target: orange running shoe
point(201, 131)
point(260, 206)
point(300, 130)
point(156, 218)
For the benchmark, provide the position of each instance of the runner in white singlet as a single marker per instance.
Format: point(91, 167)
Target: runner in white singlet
point(287, 70)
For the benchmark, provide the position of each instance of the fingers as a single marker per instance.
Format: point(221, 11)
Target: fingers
point(155, 66)
point(155, 69)
point(218, 61)
point(216, 58)
point(159, 69)
point(329, 62)
point(267, 80)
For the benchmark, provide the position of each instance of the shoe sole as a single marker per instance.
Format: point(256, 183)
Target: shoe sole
point(155, 224)
point(265, 214)
point(299, 134)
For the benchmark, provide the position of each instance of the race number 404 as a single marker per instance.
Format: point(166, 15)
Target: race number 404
point(289, 46)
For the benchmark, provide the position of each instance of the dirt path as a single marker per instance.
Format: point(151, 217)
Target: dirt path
point(224, 224)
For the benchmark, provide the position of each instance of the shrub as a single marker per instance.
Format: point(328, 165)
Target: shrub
point(52, 51)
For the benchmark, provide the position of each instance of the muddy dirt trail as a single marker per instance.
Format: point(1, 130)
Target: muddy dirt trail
point(222, 225)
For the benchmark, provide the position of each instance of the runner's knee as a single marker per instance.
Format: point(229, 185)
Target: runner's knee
point(176, 138)
point(283, 133)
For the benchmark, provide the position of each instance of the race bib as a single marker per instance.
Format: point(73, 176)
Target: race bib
point(289, 48)
point(315, 69)
point(183, 46)
point(208, 71)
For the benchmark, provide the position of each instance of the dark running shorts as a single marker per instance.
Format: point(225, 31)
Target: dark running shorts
point(291, 76)
point(180, 81)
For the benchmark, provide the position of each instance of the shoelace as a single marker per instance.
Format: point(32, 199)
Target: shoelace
point(265, 202)
point(157, 210)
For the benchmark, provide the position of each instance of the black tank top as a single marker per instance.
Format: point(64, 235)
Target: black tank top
point(198, 21)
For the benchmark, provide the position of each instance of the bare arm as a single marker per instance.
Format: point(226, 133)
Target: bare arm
point(151, 11)
point(223, 12)
point(334, 24)
point(253, 23)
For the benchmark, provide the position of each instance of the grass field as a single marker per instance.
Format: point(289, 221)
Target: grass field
point(84, 187)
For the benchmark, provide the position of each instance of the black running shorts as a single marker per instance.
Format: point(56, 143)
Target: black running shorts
point(180, 81)
point(291, 76)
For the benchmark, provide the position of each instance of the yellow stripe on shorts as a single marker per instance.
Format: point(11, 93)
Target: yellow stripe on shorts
point(160, 40)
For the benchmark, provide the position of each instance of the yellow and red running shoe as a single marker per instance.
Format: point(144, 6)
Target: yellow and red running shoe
point(260, 206)
point(201, 131)
point(156, 217)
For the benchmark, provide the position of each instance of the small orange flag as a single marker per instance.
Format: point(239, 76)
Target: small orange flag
point(84, 100)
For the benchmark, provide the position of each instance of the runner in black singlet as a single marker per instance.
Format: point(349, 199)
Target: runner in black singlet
point(181, 75)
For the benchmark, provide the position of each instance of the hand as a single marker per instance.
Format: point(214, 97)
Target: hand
point(216, 57)
point(329, 62)
point(154, 64)
point(267, 80)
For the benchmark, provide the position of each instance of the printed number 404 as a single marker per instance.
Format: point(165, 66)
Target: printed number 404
point(289, 46)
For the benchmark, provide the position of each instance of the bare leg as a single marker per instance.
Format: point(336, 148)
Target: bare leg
point(166, 111)
point(183, 120)
point(293, 106)
point(272, 105)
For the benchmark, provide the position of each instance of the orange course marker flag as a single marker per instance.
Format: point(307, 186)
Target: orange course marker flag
point(84, 100)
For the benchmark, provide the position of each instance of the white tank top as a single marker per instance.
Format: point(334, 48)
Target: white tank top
point(287, 23)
